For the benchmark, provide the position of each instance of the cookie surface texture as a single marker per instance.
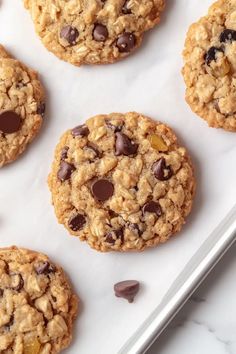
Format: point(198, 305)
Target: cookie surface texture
point(22, 107)
point(121, 182)
point(37, 305)
point(210, 66)
point(94, 31)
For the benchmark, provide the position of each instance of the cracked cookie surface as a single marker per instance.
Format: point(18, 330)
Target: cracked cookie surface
point(210, 66)
point(21, 107)
point(121, 182)
point(37, 305)
point(94, 31)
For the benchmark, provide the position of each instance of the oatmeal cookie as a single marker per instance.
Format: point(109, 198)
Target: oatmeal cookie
point(210, 66)
point(37, 304)
point(94, 31)
point(121, 182)
point(22, 106)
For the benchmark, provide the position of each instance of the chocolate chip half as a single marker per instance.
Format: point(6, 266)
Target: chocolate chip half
point(161, 171)
point(41, 109)
point(228, 35)
point(211, 54)
point(125, 9)
point(64, 153)
point(125, 146)
point(77, 222)
point(70, 34)
point(126, 42)
point(80, 130)
point(10, 122)
point(127, 289)
point(65, 171)
point(152, 207)
point(17, 282)
point(44, 268)
point(102, 189)
point(100, 33)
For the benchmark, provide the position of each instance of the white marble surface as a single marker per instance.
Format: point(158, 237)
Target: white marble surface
point(207, 323)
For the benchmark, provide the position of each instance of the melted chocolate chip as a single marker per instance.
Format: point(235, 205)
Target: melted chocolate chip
point(102, 190)
point(126, 42)
point(70, 34)
point(10, 122)
point(152, 207)
point(94, 147)
point(211, 54)
point(41, 109)
point(77, 222)
point(127, 289)
point(112, 213)
point(65, 171)
point(100, 33)
point(64, 153)
point(228, 35)
point(125, 9)
point(44, 268)
point(125, 146)
point(80, 130)
point(17, 282)
point(161, 171)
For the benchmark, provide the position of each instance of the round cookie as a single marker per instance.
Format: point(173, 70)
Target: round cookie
point(21, 107)
point(37, 304)
point(121, 182)
point(210, 66)
point(95, 31)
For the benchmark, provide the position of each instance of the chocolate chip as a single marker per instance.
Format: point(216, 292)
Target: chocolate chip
point(10, 323)
point(77, 222)
point(112, 213)
point(127, 289)
point(80, 130)
point(102, 190)
point(115, 128)
point(211, 54)
point(1, 292)
point(161, 171)
point(65, 171)
point(152, 207)
point(114, 235)
point(94, 147)
point(110, 238)
point(125, 146)
point(17, 282)
point(228, 35)
point(125, 9)
point(44, 268)
point(126, 42)
point(135, 228)
point(41, 109)
point(64, 153)
point(100, 33)
point(70, 34)
point(10, 122)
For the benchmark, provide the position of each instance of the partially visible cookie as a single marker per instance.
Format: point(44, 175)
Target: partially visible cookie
point(37, 304)
point(210, 66)
point(95, 31)
point(22, 107)
point(121, 182)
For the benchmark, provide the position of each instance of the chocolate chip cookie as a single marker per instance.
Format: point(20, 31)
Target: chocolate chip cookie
point(210, 66)
point(37, 305)
point(22, 107)
point(95, 31)
point(121, 182)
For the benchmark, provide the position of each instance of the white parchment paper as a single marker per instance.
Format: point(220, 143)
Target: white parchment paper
point(149, 82)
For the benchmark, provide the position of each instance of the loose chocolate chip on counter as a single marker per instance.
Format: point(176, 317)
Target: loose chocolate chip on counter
point(127, 289)
point(94, 147)
point(70, 34)
point(126, 42)
point(65, 171)
point(77, 222)
point(161, 171)
point(125, 9)
point(64, 153)
point(10, 122)
point(228, 35)
point(17, 282)
point(41, 109)
point(80, 130)
point(125, 146)
point(44, 268)
point(102, 189)
point(152, 207)
point(211, 54)
point(100, 33)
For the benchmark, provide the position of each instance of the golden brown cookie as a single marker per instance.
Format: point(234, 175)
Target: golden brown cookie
point(22, 107)
point(37, 304)
point(121, 182)
point(94, 31)
point(210, 66)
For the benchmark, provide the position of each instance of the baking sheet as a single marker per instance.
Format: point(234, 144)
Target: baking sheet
point(149, 82)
